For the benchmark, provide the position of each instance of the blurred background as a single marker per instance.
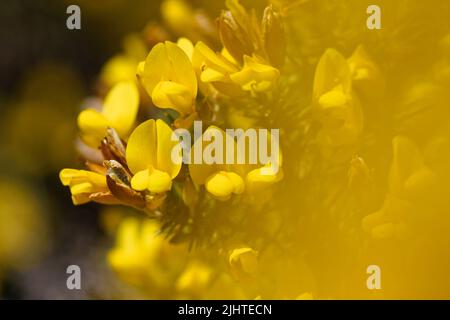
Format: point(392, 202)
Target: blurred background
point(46, 71)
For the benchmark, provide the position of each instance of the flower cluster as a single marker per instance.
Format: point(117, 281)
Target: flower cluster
point(363, 174)
point(138, 168)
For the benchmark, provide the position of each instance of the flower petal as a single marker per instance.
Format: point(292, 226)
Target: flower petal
point(168, 94)
point(92, 125)
point(223, 184)
point(256, 179)
point(121, 106)
point(407, 159)
point(187, 47)
point(182, 70)
point(332, 70)
point(140, 180)
point(70, 177)
point(156, 68)
point(159, 181)
point(141, 147)
point(164, 147)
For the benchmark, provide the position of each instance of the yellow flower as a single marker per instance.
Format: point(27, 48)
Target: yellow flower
point(169, 78)
point(366, 75)
point(215, 69)
point(243, 262)
point(223, 179)
point(255, 76)
point(122, 67)
point(228, 77)
point(409, 180)
point(236, 31)
point(242, 35)
point(389, 221)
point(86, 186)
point(117, 69)
point(187, 46)
point(220, 180)
point(260, 177)
point(337, 107)
point(119, 112)
point(136, 246)
point(195, 278)
point(259, 180)
point(178, 15)
point(24, 225)
point(144, 258)
point(149, 157)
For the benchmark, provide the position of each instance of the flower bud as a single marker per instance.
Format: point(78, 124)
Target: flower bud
point(234, 37)
point(273, 37)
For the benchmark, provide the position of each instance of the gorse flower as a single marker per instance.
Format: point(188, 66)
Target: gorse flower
point(230, 78)
point(243, 36)
point(243, 263)
point(366, 75)
point(337, 106)
point(195, 278)
point(215, 69)
point(250, 57)
point(149, 157)
point(220, 180)
point(122, 67)
point(87, 186)
point(224, 178)
point(137, 244)
point(169, 78)
point(144, 259)
point(255, 76)
point(118, 111)
point(410, 179)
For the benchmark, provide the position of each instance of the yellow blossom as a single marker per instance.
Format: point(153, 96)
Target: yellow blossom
point(366, 75)
point(337, 107)
point(409, 179)
point(119, 112)
point(122, 67)
point(187, 46)
point(119, 68)
point(86, 186)
point(178, 15)
point(215, 69)
point(243, 262)
point(221, 180)
point(142, 257)
point(149, 157)
point(255, 76)
point(242, 35)
point(259, 179)
point(136, 245)
point(228, 77)
point(169, 78)
point(24, 230)
point(195, 278)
